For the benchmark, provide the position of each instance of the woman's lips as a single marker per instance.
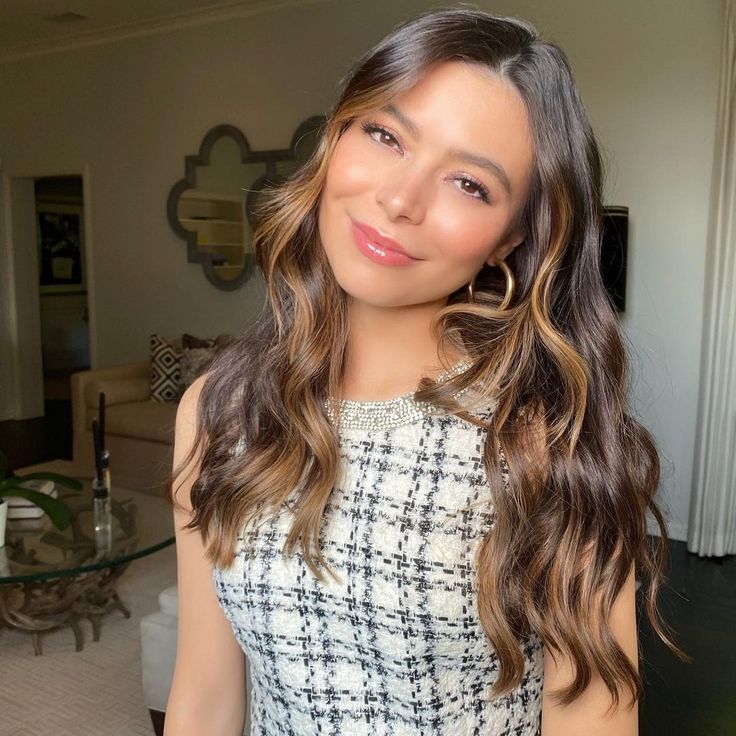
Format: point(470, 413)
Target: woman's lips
point(379, 249)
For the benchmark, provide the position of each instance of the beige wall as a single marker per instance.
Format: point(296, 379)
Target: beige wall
point(127, 113)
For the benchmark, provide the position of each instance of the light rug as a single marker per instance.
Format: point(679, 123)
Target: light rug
point(95, 692)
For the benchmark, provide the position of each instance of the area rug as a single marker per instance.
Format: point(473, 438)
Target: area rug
point(95, 692)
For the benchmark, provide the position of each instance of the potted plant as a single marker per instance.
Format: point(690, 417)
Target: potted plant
point(10, 485)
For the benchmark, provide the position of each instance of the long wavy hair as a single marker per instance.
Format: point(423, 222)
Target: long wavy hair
point(582, 472)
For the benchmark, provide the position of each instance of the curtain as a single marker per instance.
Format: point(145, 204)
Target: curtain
point(712, 527)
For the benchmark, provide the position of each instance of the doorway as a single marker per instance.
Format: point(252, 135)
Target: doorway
point(49, 317)
point(64, 312)
point(63, 307)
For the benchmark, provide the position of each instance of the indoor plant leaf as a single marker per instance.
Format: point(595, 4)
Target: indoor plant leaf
point(57, 511)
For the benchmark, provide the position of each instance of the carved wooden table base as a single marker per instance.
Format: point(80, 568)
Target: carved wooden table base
point(42, 606)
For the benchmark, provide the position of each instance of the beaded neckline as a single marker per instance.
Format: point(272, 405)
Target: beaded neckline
point(355, 414)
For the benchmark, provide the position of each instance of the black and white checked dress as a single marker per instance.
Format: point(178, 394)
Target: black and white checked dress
point(397, 647)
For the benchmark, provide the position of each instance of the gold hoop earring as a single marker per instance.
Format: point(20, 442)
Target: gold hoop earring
point(469, 294)
point(510, 285)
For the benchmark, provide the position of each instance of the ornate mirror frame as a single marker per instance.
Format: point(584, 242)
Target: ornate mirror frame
point(269, 159)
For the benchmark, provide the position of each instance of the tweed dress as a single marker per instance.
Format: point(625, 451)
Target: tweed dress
point(396, 646)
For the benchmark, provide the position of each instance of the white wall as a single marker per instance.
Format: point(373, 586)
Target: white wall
point(131, 110)
point(26, 316)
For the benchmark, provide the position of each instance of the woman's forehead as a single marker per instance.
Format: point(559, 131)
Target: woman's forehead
point(468, 112)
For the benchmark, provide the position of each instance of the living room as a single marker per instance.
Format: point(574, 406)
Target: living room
point(111, 105)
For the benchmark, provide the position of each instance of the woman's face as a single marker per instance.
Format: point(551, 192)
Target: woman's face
point(440, 173)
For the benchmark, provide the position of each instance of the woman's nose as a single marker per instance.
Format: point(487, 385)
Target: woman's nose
point(403, 195)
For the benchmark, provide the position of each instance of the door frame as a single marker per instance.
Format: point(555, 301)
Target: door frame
point(21, 366)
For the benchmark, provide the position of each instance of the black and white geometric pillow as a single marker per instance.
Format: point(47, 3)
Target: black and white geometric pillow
point(165, 370)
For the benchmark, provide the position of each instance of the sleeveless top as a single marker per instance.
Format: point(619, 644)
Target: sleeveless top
point(396, 647)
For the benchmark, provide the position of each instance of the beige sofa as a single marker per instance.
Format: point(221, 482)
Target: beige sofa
point(139, 432)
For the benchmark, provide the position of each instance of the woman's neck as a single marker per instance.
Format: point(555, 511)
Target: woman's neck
point(389, 351)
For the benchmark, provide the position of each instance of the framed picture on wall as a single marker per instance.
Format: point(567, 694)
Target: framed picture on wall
point(60, 234)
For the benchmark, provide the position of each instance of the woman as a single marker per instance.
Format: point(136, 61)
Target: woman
point(411, 492)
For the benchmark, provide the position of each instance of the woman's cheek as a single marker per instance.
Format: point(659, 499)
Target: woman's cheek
point(350, 169)
point(461, 240)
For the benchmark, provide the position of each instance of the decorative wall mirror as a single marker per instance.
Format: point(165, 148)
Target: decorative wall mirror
point(213, 207)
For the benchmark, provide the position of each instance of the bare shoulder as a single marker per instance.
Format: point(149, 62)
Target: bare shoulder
point(186, 459)
point(186, 416)
point(189, 401)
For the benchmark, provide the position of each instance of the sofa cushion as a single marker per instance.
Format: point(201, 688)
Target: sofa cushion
point(165, 370)
point(116, 391)
point(219, 342)
point(168, 600)
point(192, 341)
point(159, 637)
point(146, 420)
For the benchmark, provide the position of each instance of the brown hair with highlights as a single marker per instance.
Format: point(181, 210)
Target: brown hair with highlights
point(583, 472)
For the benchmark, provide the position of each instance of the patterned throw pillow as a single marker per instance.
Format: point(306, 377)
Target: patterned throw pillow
point(165, 370)
point(194, 362)
point(224, 340)
point(191, 341)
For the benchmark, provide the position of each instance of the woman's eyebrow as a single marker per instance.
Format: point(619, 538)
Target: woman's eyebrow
point(408, 124)
point(493, 167)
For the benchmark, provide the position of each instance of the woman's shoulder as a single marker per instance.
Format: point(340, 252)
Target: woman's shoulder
point(189, 401)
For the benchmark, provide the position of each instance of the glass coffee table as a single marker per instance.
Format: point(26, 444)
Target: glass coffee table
point(51, 579)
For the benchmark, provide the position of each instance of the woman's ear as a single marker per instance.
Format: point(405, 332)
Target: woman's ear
point(500, 252)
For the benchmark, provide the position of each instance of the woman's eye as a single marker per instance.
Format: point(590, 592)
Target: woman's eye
point(384, 137)
point(470, 187)
point(473, 188)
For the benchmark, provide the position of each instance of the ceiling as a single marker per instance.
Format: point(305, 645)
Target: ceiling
point(26, 28)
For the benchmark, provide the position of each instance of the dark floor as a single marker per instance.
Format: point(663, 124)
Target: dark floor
point(698, 601)
point(31, 441)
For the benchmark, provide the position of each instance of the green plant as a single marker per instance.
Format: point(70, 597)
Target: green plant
point(57, 511)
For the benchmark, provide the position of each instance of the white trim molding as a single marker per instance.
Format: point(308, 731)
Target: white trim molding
point(151, 26)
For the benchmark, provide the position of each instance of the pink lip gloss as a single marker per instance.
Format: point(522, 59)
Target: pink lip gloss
point(378, 253)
